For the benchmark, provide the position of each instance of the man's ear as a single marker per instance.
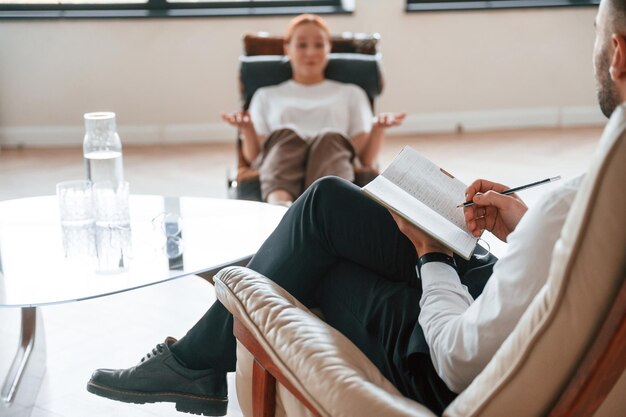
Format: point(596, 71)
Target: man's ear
point(618, 62)
point(286, 48)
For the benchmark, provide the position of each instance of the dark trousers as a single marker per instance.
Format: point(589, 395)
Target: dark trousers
point(341, 251)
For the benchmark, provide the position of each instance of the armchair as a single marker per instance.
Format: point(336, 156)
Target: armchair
point(354, 59)
point(566, 356)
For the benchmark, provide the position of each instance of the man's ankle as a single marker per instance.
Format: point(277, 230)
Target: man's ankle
point(189, 363)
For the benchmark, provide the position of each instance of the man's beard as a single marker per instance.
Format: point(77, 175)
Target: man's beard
point(607, 93)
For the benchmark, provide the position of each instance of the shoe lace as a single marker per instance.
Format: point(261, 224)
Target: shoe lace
point(156, 351)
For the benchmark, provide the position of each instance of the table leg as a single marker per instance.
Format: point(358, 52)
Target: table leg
point(22, 383)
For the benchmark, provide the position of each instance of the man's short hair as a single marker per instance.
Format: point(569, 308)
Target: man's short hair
point(617, 11)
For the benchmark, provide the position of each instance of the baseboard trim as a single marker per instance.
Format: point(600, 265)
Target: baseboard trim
point(545, 117)
point(59, 136)
point(422, 123)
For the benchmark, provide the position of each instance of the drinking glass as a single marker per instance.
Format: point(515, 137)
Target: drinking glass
point(111, 204)
point(77, 219)
point(113, 234)
point(75, 203)
point(113, 249)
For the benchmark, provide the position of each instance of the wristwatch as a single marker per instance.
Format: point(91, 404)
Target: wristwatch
point(435, 257)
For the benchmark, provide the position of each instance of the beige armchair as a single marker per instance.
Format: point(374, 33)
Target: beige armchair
point(566, 356)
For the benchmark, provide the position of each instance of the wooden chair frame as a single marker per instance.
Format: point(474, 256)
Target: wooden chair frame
point(265, 373)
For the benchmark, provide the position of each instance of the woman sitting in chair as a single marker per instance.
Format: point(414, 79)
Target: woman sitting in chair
point(308, 127)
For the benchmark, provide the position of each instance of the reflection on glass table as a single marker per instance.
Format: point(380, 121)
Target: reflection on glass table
point(43, 262)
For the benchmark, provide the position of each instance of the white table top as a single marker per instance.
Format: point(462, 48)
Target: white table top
point(36, 268)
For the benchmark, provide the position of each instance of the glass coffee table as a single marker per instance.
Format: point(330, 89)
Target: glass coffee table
point(44, 263)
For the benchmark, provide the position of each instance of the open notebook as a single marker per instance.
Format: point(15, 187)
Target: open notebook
point(427, 196)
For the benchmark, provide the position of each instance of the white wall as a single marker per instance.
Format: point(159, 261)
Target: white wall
point(168, 79)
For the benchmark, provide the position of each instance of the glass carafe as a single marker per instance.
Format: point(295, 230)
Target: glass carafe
point(102, 148)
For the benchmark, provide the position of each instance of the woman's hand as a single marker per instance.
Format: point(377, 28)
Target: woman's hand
point(239, 119)
point(385, 120)
point(421, 241)
point(492, 211)
point(251, 141)
point(367, 145)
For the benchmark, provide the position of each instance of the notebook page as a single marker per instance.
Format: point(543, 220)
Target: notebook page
point(429, 184)
point(392, 196)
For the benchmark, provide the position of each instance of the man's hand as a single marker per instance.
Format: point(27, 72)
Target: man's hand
point(240, 119)
point(492, 211)
point(421, 241)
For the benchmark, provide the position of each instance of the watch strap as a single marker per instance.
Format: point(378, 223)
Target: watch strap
point(435, 257)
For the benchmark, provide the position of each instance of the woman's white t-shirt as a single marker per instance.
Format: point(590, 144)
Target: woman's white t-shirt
point(311, 110)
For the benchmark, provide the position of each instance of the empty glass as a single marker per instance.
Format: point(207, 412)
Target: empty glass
point(75, 203)
point(111, 204)
point(77, 219)
point(113, 249)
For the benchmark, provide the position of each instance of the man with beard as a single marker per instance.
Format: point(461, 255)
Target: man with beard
point(429, 320)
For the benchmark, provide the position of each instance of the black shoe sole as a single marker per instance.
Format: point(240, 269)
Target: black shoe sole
point(186, 403)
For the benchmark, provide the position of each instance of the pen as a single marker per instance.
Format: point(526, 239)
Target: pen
point(516, 189)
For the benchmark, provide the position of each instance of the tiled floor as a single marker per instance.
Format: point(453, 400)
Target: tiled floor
point(116, 331)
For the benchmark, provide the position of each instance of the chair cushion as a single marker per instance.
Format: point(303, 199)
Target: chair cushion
point(530, 370)
point(313, 356)
point(264, 70)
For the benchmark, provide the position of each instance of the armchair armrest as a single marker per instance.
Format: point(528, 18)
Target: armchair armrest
point(311, 361)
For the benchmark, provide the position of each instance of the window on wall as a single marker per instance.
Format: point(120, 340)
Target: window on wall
point(429, 5)
point(164, 8)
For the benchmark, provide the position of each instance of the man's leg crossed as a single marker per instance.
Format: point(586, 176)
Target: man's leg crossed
point(381, 318)
point(332, 222)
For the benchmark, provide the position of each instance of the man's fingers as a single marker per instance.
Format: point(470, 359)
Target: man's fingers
point(473, 228)
point(481, 223)
point(493, 199)
point(480, 218)
point(483, 186)
point(469, 213)
point(481, 212)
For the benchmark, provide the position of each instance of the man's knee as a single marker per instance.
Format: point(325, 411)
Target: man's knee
point(332, 188)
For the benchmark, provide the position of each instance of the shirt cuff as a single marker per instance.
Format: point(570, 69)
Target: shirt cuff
point(438, 273)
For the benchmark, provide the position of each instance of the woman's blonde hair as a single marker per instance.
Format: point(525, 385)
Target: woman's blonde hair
point(304, 19)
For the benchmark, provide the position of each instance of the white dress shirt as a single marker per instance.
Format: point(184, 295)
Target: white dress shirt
point(310, 110)
point(463, 334)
